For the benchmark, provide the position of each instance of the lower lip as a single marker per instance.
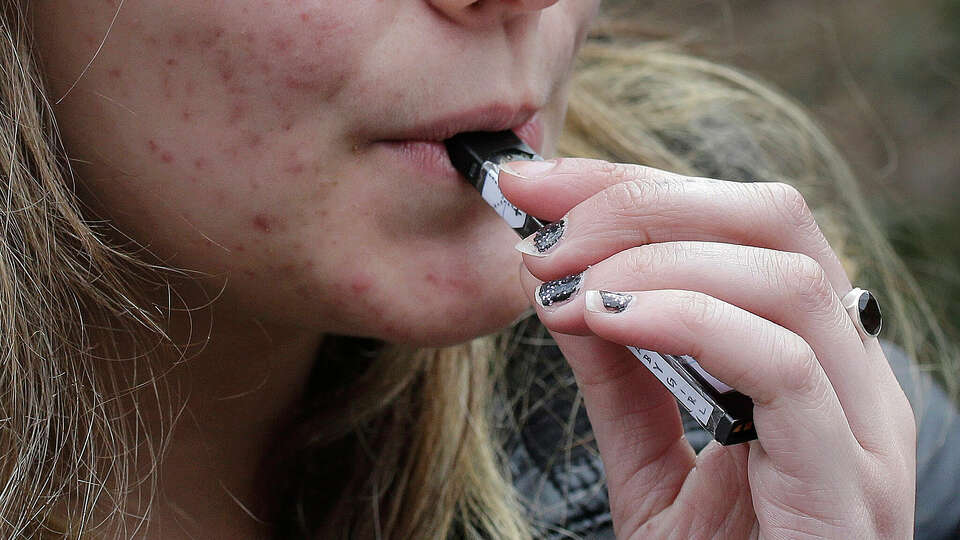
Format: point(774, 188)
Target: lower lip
point(430, 158)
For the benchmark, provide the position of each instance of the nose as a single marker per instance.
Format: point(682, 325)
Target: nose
point(477, 13)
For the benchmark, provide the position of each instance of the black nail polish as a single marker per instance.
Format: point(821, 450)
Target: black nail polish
point(615, 302)
point(558, 290)
point(548, 235)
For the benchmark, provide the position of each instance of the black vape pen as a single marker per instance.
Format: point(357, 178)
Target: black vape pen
point(721, 410)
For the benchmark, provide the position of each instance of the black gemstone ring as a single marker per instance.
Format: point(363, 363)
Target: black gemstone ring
point(865, 311)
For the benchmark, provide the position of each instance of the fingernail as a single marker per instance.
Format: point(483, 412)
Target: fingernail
point(539, 242)
point(558, 290)
point(607, 302)
point(529, 169)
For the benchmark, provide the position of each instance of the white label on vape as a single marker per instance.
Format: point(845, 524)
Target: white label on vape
point(491, 193)
point(681, 389)
point(716, 383)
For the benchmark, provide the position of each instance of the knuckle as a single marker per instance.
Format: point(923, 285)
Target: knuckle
point(630, 197)
point(808, 283)
point(647, 259)
point(797, 367)
point(791, 204)
point(625, 172)
point(698, 311)
point(617, 172)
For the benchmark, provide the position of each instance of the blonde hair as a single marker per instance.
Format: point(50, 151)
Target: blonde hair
point(420, 429)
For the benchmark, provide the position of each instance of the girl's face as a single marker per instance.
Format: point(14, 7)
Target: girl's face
point(248, 139)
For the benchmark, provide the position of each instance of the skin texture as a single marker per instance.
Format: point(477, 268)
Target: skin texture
point(239, 139)
point(740, 277)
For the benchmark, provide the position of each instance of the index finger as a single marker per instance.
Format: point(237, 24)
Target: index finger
point(555, 186)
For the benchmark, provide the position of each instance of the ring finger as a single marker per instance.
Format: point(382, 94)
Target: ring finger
point(788, 289)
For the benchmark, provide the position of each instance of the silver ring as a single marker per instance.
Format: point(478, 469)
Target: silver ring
point(864, 309)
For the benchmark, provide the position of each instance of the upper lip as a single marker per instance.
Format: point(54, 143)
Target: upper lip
point(493, 117)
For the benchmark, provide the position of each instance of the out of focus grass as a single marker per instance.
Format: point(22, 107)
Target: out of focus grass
point(883, 79)
point(929, 242)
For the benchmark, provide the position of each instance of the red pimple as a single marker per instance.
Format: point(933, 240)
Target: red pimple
point(239, 247)
point(153, 145)
point(166, 157)
point(171, 61)
point(186, 115)
point(200, 163)
point(262, 222)
point(304, 16)
point(361, 284)
point(115, 73)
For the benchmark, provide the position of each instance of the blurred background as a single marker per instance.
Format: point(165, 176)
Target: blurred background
point(881, 77)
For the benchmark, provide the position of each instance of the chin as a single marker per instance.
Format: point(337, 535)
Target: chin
point(455, 320)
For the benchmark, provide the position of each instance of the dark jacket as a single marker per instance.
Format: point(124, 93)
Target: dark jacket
point(561, 476)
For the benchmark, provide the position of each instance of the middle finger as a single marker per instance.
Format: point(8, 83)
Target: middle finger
point(788, 289)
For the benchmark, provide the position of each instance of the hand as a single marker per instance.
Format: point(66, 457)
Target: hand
point(739, 276)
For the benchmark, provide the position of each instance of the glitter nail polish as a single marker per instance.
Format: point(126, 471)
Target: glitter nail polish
point(615, 302)
point(548, 235)
point(559, 290)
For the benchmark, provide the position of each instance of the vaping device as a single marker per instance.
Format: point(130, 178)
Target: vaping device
point(721, 410)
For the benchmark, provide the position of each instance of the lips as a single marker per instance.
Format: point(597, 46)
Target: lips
point(492, 117)
point(430, 160)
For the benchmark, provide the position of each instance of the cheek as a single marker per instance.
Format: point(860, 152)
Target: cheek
point(212, 132)
point(211, 105)
point(288, 51)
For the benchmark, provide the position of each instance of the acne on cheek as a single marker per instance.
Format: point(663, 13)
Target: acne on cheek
point(293, 52)
point(453, 283)
point(266, 224)
point(281, 69)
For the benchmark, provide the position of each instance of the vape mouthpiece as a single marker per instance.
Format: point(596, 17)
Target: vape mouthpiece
point(478, 156)
point(721, 410)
